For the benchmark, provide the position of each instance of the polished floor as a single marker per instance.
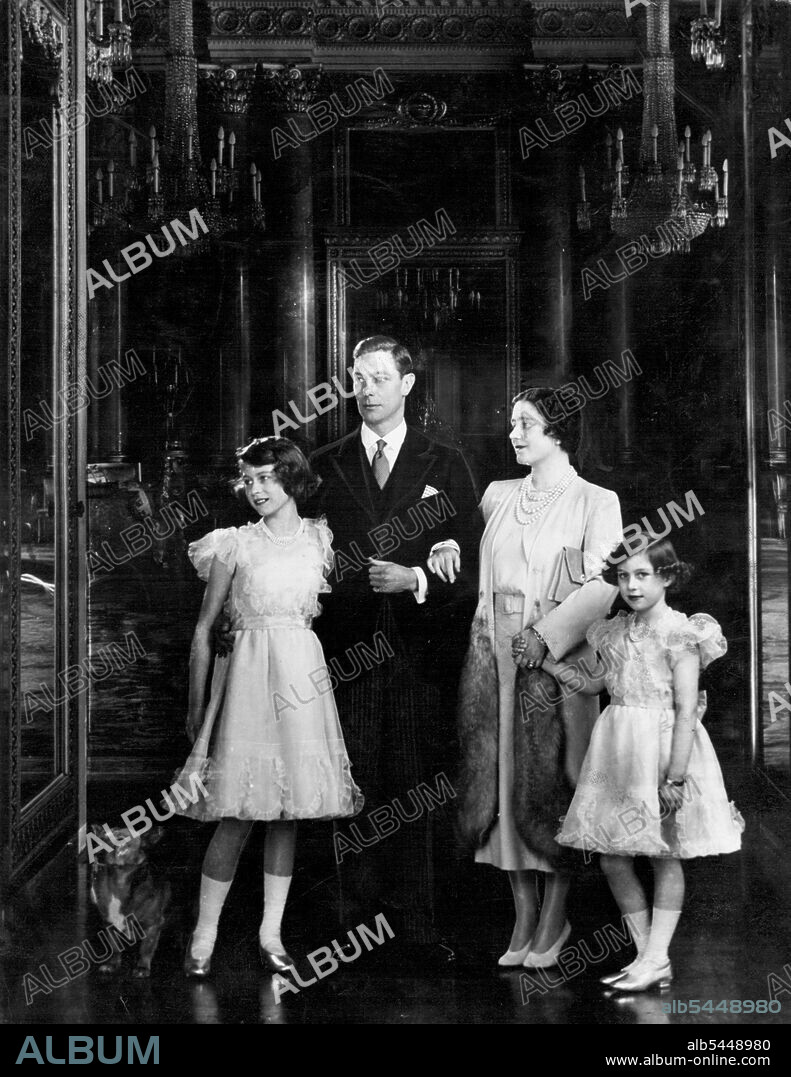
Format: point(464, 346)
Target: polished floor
point(734, 935)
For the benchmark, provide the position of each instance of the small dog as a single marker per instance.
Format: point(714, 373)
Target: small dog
point(123, 885)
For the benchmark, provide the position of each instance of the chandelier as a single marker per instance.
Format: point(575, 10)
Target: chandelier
point(428, 296)
point(108, 40)
point(163, 179)
point(665, 191)
point(707, 38)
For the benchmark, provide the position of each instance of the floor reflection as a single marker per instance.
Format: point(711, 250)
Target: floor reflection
point(733, 934)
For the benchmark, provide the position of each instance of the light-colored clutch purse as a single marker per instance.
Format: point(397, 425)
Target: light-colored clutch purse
point(569, 574)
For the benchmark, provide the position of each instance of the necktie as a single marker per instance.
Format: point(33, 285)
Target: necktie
point(381, 468)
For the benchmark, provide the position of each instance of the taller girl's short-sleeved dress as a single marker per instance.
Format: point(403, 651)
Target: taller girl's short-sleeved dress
point(271, 745)
point(616, 807)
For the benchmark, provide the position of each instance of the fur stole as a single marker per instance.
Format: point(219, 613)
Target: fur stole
point(542, 792)
point(541, 789)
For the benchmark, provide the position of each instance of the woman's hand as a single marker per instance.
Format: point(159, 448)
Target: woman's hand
point(528, 650)
point(445, 563)
point(194, 723)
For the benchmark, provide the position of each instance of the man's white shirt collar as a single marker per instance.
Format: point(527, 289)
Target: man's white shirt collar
point(395, 439)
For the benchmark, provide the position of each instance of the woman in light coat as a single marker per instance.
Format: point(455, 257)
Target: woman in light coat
point(542, 554)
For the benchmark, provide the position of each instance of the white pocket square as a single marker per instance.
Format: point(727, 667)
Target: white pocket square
point(429, 492)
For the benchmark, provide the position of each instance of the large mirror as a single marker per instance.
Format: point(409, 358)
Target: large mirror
point(41, 258)
point(44, 522)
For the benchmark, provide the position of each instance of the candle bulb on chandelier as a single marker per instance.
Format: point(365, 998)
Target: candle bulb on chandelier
point(152, 138)
point(654, 138)
point(99, 19)
point(257, 187)
point(100, 185)
point(687, 139)
point(608, 144)
point(132, 149)
point(110, 178)
point(717, 12)
point(680, 170)
point(717, 190)
point(220, 145)
point(231, 148)
point(619, 145)
point(582, 183)
point(725, 178)
point(156, 173)
point(119, 10)
point(213, 177)
point(618, 169)
point(708, 147)
point(189, 142)
point(253, 174)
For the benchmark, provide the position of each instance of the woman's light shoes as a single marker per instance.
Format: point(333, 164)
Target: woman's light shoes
point(550, 957)
point(645, 975)
point(512, 958)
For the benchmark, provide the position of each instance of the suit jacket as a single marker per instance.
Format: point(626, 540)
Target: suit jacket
point(430, 496)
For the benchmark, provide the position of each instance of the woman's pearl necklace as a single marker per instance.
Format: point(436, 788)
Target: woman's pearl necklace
point(532, 504)
point(287, 540)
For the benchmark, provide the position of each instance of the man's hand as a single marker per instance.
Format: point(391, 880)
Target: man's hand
point(528, 650)
point(445, 563)
point(223, 636)
point(387, 578)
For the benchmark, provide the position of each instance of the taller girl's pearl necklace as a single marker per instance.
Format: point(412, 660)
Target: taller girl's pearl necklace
point(531, 504)
point(286, 540)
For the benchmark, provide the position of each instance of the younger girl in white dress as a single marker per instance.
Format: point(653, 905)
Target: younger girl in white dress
point(650, 784)
point(268, 745)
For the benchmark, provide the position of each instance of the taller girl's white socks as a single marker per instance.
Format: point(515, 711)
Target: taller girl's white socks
point(663, 925)
point(275, 894)
point(212, 898)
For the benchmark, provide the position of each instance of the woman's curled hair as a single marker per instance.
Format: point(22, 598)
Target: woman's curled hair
point(564, 425)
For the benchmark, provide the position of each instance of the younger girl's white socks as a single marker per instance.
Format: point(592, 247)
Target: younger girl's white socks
point(639, 924)
point(663, 925)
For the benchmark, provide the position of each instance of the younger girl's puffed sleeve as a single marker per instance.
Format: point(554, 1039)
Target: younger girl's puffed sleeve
point(599, 631)
point(702, 635)
point(222, 544)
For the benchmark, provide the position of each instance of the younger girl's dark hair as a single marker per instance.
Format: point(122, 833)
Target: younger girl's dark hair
point(291, 466)
point(561, 424)
point(660, 553)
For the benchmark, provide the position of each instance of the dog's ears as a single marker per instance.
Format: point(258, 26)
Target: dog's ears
point(154, 835)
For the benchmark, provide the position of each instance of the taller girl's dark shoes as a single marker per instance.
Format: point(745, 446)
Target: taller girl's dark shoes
point(275, 962)
point(196, 967)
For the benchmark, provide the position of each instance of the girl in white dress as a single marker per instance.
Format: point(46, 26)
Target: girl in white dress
point(269, 744)
point(650, 784)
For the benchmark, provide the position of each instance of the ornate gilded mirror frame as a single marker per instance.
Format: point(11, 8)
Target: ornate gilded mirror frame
point(45, 37)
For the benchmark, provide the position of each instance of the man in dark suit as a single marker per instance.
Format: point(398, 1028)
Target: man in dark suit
point(395, 639)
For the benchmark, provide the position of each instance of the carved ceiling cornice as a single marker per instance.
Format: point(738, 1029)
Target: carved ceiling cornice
point(447, 35)
point(451, 34)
